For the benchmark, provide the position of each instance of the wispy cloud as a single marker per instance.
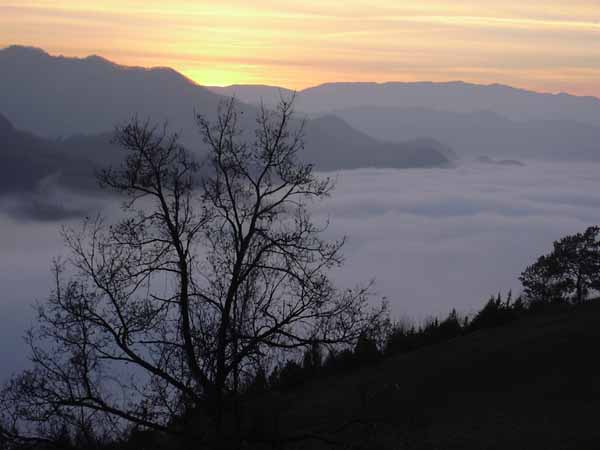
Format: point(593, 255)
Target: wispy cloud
point(299, 44)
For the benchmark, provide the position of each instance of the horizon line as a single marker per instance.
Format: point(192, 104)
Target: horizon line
point(273, 86)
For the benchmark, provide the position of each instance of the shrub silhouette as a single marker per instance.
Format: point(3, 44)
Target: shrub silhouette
point(366, 351)
point(496, 312)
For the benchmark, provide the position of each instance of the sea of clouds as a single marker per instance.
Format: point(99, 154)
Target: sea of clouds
point(441, 239)
point(433, 239)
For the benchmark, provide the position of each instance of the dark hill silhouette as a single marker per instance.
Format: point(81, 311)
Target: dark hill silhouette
point(57, 96)
point(481, 133)
point(32, 168)
point(532, 384)
point(516, 104)
point(29, 164)
point(345, 145)
point(26, 159)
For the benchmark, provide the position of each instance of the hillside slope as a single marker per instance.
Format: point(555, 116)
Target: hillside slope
point(26, 159)
point(534, 384)
point(57, 96)
point(38, 176)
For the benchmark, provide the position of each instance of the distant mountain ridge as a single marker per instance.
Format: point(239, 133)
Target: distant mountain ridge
point(58, 96)
point(256, 93)
point(33, 169)
point(455, 96)
point(481, 133)
point(334, 144)
point(495, 121)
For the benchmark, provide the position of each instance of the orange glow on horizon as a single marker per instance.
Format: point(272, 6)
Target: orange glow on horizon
point(548, 46)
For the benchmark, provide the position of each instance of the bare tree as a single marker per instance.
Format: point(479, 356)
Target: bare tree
point(160, 318)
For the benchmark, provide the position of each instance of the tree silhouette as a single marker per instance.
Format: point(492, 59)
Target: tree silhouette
point(156, 321)
point(568, 272)
point(579, 260)
point(496, 312)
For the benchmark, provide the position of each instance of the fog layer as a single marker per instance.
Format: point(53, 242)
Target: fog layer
point(434, 239)
point(442, 239)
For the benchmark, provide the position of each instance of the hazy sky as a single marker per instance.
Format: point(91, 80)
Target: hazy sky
point(550, 45)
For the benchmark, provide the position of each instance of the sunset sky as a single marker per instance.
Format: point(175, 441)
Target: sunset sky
point(548, 45)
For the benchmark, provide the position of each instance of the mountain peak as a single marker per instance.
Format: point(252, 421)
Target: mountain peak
point(23, 50)
point(98, 59)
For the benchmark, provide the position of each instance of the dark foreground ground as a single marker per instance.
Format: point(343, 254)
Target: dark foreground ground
point(533, 384)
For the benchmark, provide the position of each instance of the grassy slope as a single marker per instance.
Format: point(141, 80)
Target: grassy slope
point(532, 384)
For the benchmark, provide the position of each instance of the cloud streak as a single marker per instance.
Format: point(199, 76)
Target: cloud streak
point(218, 44)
